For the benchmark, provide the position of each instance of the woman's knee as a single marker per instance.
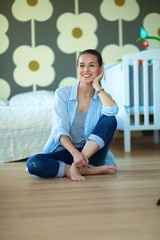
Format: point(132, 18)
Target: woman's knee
point(105, 125)
point(43, 165)
point(108, 122)
point(33, 164)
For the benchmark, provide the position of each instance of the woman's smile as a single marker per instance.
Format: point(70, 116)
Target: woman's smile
point(87, 75)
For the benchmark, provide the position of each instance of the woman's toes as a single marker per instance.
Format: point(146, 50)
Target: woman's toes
point(112, 169)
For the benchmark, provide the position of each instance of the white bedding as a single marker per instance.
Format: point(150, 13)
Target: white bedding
point(25, 125)
point(23, 131)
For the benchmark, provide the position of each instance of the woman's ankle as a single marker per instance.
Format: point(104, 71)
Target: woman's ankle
point(66, 171)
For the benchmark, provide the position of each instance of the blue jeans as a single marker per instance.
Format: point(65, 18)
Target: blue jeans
point(49, 165)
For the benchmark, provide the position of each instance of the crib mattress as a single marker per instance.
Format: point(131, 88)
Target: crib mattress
point(23, 131)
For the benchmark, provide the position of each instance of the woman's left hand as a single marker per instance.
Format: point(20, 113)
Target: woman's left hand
point(97, 80)
point(80, 159)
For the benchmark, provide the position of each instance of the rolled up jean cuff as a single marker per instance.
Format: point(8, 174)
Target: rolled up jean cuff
point(61, 169)
point(97, 139)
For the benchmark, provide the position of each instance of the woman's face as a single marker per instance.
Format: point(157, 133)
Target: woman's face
point(88, 68)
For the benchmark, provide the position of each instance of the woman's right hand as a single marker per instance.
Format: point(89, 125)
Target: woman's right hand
point(80, 159)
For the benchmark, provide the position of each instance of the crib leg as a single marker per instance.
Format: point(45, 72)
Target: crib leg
point(156, 136)
point(127, 141)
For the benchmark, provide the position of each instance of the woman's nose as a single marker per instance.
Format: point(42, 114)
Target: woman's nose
point(86, 68)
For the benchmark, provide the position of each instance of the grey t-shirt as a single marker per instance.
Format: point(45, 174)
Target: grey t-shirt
point(76, 131)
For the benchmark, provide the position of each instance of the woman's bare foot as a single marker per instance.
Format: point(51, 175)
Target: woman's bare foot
point(74, 173)
point(92, 170)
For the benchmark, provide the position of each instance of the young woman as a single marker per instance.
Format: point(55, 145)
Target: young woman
point(82, 128)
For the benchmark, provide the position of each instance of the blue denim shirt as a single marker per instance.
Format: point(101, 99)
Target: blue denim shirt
point(64, 109)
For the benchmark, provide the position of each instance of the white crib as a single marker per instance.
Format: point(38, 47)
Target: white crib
point(135, 84)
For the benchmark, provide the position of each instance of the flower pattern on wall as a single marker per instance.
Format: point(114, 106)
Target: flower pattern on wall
point(4, 41)
point(76, 32)
point(151, 24)
point(119, 10)
point(67, 81)
point(25, 10)
point(33, 63)
point(34, 66)
point(113, 53)
point(5, 90)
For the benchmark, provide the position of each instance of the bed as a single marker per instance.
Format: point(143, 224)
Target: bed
point(25, 124)
point(135, 84)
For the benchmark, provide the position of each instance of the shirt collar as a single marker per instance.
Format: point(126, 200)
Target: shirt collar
point(73, 95)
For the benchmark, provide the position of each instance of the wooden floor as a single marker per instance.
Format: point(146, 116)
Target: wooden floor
point(121, 206)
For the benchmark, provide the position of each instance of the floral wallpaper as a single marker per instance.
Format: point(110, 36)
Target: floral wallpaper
point(41, 39)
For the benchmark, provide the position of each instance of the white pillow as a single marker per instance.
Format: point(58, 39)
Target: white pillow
point(2, 103)
point(37, 98)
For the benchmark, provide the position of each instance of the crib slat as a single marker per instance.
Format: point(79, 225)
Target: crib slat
point(136, 91)
point(126, 83)
point(156, 91)
point(126, 96)
point(146, 92)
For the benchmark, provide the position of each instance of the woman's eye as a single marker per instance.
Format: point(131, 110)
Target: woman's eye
point(91, 65)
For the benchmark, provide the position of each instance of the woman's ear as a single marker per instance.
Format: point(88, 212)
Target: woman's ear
point(101, 69)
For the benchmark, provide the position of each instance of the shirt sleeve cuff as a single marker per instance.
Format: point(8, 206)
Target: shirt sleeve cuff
point(97, 139)
point(62, 133)
point(110, 111)
point(61, 169)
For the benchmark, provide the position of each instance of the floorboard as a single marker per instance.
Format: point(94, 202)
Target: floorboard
point(121, 206)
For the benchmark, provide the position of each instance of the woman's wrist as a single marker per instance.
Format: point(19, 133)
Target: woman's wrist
point(96, 86)
point(101, 89)
point(67, 144)
point(74, 152)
